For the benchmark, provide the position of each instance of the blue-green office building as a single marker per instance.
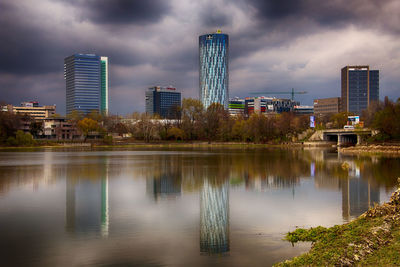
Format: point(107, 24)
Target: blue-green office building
point(86, 77)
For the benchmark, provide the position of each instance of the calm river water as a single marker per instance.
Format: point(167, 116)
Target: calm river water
point(193, 207)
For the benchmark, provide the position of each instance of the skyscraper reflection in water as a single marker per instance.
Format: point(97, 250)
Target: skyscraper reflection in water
point(164, 186)
point(87, 208)
point(357, 196)
point(214, 218)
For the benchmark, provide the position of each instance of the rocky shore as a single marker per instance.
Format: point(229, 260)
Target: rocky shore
point(373, 239)
point(372, 149)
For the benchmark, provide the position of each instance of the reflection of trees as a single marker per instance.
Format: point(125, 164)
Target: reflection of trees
point(384, 171)
point(270, 168)
point(15, 176)
point(215, 167)
point(24, 175)
point(378, 171)
point(265, 168)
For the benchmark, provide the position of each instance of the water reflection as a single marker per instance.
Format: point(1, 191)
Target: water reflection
point(236, 202)
point(165, 179)
point(351, 176)
point(357, 197)
point(87, 207)
point(214, 218)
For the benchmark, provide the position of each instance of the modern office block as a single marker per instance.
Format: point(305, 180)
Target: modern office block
point(360, 86)
point(326, 106)
point(86, 78)
point(164, 101)
point(213, 68)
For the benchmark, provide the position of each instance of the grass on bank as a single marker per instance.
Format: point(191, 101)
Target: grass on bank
point(372, 239)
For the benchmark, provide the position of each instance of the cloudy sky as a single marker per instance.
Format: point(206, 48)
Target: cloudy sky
point(274, 45)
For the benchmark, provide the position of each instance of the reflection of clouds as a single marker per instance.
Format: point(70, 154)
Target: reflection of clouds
point(214, 218)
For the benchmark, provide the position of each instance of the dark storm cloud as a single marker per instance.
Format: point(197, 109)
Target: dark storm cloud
point(125, 11)
point(212, 16)
point(23, 46)
point(36, 48)
point(332, 13)
point(152, 42)
point(283, 21)
point(276, 9)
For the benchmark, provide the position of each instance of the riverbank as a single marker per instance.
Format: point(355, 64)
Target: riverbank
point(386, 149)
point(166, 144)
point(373, 239)
point(367, 150)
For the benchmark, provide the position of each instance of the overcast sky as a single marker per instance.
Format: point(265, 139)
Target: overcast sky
point(274, 45)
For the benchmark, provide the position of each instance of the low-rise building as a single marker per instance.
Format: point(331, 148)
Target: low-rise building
point(264, 105)
point(60, 129)
point(303, 110)
point(35, 111)
point(236, 106)
point(326, 106)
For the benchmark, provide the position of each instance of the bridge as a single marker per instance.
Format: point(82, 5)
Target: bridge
point(342, 136)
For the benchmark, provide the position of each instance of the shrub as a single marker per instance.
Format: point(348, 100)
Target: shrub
point(23, 139)
point(108, 139)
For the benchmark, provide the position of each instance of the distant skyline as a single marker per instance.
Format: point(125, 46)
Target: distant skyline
point(274, 45)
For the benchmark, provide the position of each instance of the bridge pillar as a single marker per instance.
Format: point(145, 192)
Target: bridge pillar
point(339, 140)
point(358, 140)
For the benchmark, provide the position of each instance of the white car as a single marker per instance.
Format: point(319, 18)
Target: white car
point(348, 127)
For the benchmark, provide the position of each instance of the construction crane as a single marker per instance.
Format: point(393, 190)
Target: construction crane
point(281, 93)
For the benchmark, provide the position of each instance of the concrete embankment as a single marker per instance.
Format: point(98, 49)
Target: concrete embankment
point(320, 144)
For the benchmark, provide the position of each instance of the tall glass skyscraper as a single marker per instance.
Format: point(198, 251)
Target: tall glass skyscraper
point(360, 86)
point(213, 67)
point(86, 77)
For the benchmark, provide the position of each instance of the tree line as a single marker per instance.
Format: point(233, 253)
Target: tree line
point(213, 124)
point(199, 124)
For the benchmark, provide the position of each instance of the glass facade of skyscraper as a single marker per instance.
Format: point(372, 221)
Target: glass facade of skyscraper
point(104, 86)
point(86, 83)
point(373, 85)
point(360, 86)
point(358, 91)
point(164, 101)
point(213, 67)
